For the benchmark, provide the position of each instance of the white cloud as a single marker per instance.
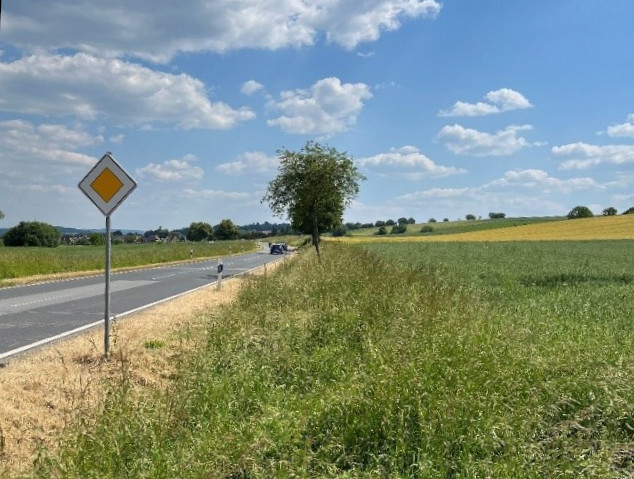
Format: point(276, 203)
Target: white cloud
point(587, 155)
point(499, 101)
point(542, 181)
point(122, 92)
point(467, 141)
point(409, 157)
point(207, 194)
point(248, 163)
point(172, 170)
point(436, 193)
point(624, 129)
point(529, 192)
point(23, 144)
point(250, 87)
point(158, 34)
point(351, 23)
point(327, 107)
point(623, 198)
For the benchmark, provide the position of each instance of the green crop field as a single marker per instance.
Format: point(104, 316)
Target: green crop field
point(400, 360)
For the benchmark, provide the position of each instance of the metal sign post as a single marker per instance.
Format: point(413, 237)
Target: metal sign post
point(106, 335)
point(107, 185)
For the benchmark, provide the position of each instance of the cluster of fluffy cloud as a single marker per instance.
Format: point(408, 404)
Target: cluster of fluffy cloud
point(498, 101)
point(409, 163)
point(624, 129)
point(120, 92)
point(469, 141)
point(172, 170)
point(325, 108)
point(142, 30)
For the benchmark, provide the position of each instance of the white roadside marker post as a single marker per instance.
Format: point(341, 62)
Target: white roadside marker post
point(221, 267)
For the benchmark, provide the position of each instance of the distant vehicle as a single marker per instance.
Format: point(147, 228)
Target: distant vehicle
point(277, 248)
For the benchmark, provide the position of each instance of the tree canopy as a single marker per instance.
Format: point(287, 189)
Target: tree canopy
point(32, 233)
point(313, 187)
point(609, 211)
point(226, 230)
point(580, 212)
point(199, 231)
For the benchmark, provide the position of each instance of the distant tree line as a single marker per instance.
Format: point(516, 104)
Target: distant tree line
point(34, 233)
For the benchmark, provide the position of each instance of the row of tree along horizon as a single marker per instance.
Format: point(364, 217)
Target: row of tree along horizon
point(34, 233)
point(41, 234)
point(197, 231)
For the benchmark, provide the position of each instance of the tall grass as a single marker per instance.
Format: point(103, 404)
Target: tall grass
point(393, 361)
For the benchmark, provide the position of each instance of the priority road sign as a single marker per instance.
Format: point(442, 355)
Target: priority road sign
point(107, 184)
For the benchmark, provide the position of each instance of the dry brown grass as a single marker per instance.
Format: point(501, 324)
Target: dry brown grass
point(43, 391)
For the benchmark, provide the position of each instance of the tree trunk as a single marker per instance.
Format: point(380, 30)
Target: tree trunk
point(315, 237)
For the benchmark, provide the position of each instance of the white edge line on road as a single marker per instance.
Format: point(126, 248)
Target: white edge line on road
point(44, 341)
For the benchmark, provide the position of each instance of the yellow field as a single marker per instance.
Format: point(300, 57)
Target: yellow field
point(597, 228)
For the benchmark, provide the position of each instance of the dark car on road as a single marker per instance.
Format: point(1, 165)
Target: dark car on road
point(277, 249)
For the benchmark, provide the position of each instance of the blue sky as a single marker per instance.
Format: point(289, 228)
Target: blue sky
point(448, 108)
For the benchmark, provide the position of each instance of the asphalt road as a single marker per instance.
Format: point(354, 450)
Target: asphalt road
point(36, 314)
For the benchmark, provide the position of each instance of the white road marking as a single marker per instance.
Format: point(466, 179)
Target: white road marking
point(9, 306)
point(65, 334)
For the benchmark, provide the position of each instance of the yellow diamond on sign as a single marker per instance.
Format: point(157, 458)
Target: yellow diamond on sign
point(106, 184)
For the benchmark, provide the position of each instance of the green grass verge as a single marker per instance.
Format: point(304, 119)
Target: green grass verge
point(28, 261)
point(402, 360)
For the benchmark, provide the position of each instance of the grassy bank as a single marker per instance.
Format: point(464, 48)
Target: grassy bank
point(461, 226)
point(392, 360)
point(29, 261)
point(515, 229)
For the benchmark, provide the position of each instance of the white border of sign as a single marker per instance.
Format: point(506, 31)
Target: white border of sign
point(107, 161)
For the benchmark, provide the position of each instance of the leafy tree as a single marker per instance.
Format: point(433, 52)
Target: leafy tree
point(390, 223)
point(382, 230)
point(399, 229)
point(411, 221)
point(402, 221)
point(445, 220)
point(609, 211)
point(199, 231)
point(32, 233)
point(431, 220)
point(629, 211)
point(226, 230)
point(427, 229)
point(160, 232)
point(339, 231)
point(313, 187)
point(379, 223)
point(470, 217)
point(494, 216)
point(1, 214)
point(580, 212)
point(131, 238)
point(96, 239)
